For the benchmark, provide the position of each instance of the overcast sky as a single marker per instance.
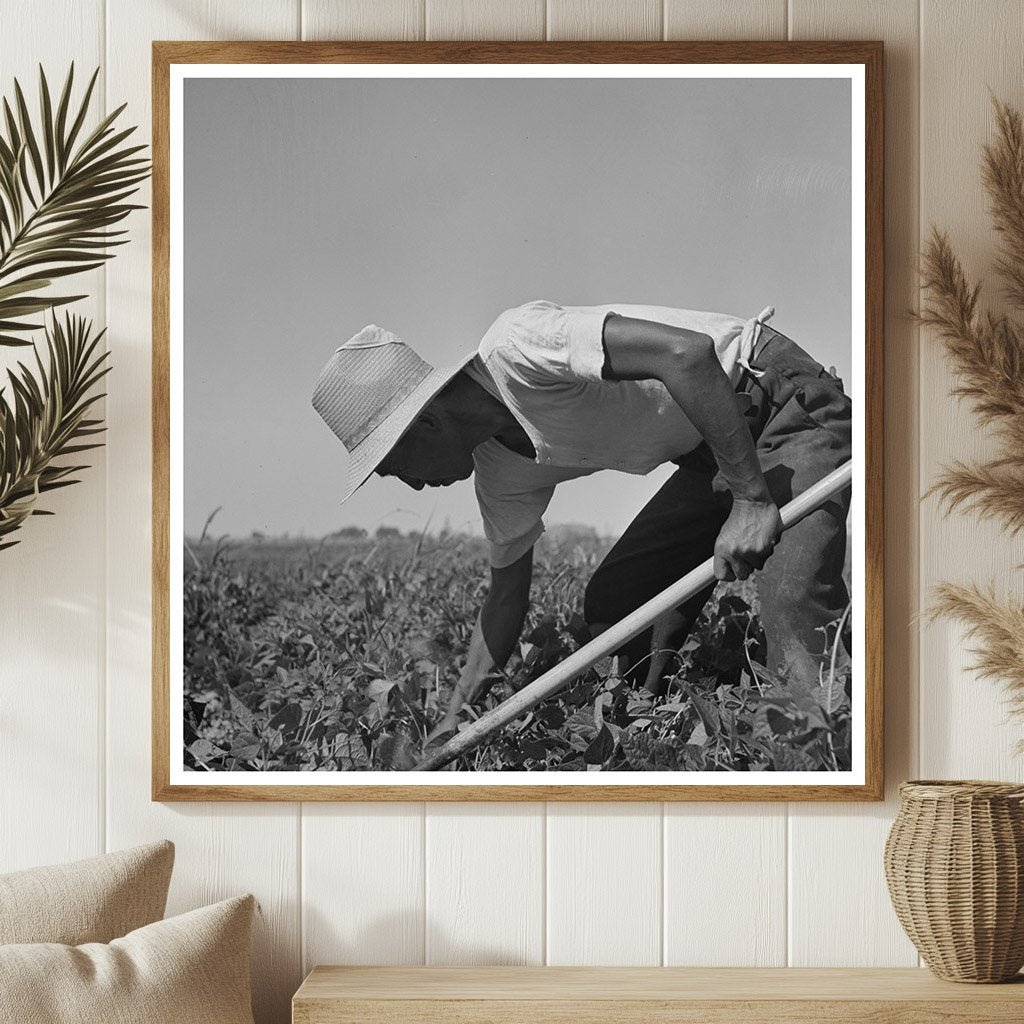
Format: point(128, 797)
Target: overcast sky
point(316, 206)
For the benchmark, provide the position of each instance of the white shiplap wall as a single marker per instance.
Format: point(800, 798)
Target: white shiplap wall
point(507, 883)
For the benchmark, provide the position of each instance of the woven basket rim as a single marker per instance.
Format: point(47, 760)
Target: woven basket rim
point(944, 789)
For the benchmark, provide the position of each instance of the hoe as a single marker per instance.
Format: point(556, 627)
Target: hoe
point(579, 661)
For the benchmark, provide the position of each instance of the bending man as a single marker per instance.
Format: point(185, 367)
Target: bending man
point(556, 392)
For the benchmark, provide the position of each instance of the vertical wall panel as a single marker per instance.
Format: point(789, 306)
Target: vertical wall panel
point(362, 884)
point(968, 47)
point(485, 883)
point(604, 882)
point(221, 849)
point(362, 19)
point(725, 863)
point(51, 582)
point(363, 868)
point(485, 19)
point(485, 863)
point(725, 885)
point(726, 19)
point(840, 912)
point(599, 19)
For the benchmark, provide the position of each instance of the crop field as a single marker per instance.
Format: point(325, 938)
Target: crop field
point(340, 656)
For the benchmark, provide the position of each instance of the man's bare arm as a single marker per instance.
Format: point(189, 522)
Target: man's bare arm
point(495, 634)
point(686, 363)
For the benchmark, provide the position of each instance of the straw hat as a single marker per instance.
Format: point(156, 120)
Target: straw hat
point(369, 394)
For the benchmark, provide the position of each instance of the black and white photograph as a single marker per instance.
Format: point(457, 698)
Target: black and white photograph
point(518, 424)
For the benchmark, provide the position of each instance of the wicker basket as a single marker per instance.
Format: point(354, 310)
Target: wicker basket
point(954, 861)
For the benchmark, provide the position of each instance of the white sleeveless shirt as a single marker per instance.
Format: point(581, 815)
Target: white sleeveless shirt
point(543, 362)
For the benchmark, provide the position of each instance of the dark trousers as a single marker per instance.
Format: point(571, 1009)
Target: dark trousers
point(800, 420)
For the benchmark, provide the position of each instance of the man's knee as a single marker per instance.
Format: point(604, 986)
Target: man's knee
point(801, 617)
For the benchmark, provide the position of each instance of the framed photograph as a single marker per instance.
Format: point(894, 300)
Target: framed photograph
point(517, 421)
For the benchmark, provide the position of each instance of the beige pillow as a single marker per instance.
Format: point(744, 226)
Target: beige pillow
point(190, 969)
point(92, 900)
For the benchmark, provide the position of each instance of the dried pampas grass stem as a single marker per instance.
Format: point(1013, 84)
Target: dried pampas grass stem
point(996, 628)
point(987, 354)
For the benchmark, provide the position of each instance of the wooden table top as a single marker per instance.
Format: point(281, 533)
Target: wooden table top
point(676, 984)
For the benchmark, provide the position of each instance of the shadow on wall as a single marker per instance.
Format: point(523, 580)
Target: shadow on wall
point(198, 16)
point(406, 931)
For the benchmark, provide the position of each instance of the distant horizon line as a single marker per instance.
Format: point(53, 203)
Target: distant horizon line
point(393, 531)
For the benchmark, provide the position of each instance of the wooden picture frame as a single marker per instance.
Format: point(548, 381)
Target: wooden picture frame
point(169, 781)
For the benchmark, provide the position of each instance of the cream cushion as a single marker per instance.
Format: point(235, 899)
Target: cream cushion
point(190, 969)
point(92, 900)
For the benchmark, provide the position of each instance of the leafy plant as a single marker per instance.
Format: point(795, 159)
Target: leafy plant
point(343, 656)
point(58, 201)
point(49, 414)
point(987, 354)
point(62, 191)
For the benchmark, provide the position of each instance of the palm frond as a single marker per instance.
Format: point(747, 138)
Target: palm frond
point(59, 201)
point(46, 420)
